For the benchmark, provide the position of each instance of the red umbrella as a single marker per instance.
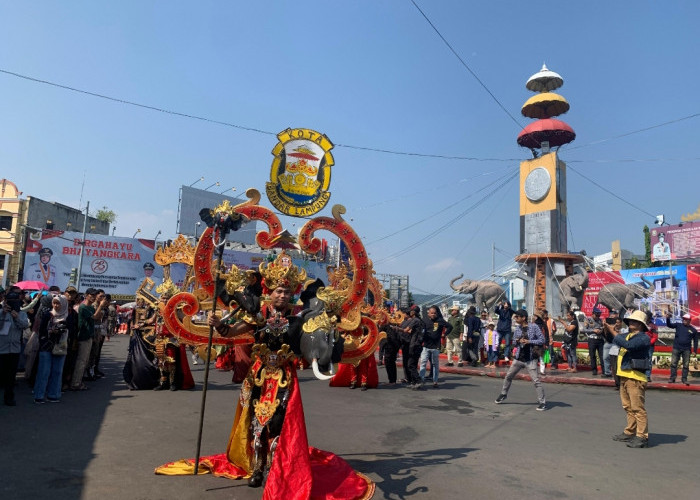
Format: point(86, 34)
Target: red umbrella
point(549, 129)
point(32, 285)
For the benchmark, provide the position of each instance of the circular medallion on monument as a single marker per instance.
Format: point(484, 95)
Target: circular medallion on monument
point(301, 172)
point(537, 184)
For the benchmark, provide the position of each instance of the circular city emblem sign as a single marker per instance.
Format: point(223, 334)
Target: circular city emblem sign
point(537, 184)
point(99, 266)
point(301, 172)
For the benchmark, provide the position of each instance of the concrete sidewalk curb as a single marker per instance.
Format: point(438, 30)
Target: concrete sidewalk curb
point(560, 378)
point(500, 372)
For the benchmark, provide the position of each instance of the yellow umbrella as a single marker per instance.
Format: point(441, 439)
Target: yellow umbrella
point(545, 105)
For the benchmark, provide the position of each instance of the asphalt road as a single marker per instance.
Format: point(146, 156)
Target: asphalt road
point(444, 443)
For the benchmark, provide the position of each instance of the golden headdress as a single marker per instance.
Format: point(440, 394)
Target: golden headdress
point(282, 273)
point(167, 289)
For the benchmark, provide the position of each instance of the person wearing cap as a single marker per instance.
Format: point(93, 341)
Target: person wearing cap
point(453, 345)
point(528, 340)
point(593, 328)
point(86, 332)
point(685, 336)
point(570, 342)
point(43, 270)
point(148, 269)
point(632, 362)
point(491, 342)
point(472, 326)
point(413, 330)
point(504, 326)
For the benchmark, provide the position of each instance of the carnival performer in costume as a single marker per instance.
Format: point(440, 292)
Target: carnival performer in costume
point(171, 356)
point(238, 357)
point(155, 359)
point(268, 441)
point(363, 373)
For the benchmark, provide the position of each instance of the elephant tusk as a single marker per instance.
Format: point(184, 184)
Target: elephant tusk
point(317, 372)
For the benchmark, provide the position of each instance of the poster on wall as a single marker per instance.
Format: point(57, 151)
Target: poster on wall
point(660, 290)
point(694, 294)
point(675, 242)
point(115, 264)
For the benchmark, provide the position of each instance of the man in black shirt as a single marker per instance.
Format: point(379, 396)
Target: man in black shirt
point(685, 336)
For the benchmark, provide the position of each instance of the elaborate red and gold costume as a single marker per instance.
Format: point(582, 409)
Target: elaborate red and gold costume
point(269, 432)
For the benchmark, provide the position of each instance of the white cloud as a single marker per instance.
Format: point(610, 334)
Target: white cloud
point(443, 264)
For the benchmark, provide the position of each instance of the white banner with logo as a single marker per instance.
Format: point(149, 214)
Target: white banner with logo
point(116, 265)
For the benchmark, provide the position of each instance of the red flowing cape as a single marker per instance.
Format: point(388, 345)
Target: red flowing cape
point(298, 471)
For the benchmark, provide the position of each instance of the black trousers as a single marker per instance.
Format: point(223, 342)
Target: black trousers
point(383, 350)
point(469, 353)
point(390, 365)
point(8, 372)
point(405, 357)
point(413, 358)
point(595, 346)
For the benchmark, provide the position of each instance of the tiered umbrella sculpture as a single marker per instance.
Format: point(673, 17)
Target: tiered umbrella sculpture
point(543, 107)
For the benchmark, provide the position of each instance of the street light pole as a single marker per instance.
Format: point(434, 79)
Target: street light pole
point(196, 228)
point(82, 247)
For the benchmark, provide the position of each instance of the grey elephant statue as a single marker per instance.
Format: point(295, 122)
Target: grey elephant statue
point(572, 288)
point(321, 344)
point(621, 296)
point(485, 292)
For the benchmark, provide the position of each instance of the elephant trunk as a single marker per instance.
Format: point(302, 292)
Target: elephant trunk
point(452, 283)
point(317, 372)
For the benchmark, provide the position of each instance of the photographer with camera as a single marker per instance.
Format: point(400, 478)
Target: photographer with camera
point(632, 363)
point(12, 324)
point(53, 347)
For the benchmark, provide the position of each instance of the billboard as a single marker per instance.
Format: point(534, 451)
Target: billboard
point(115, 264)
point(252, 260)
point(192, 200)
point(653, 289)
point(675, 242)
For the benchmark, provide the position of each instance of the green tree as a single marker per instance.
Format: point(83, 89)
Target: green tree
point(647, 246)
point(104, 214)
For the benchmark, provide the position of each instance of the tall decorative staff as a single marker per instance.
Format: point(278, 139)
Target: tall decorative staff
point(222, 220)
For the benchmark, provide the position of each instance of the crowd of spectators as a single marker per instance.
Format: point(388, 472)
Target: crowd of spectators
point(55, 338)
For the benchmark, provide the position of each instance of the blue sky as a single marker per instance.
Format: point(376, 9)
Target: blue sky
point(371, 74)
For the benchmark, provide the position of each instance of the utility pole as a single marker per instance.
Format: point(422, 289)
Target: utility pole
point(493, 259)
point(82, 247)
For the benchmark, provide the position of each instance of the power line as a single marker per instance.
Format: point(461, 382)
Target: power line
point(450, 222)
point(413, 224)
point(138, 105)
point(694, 115)
point(350, 146)
point(613, 194)
point(467, 66)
